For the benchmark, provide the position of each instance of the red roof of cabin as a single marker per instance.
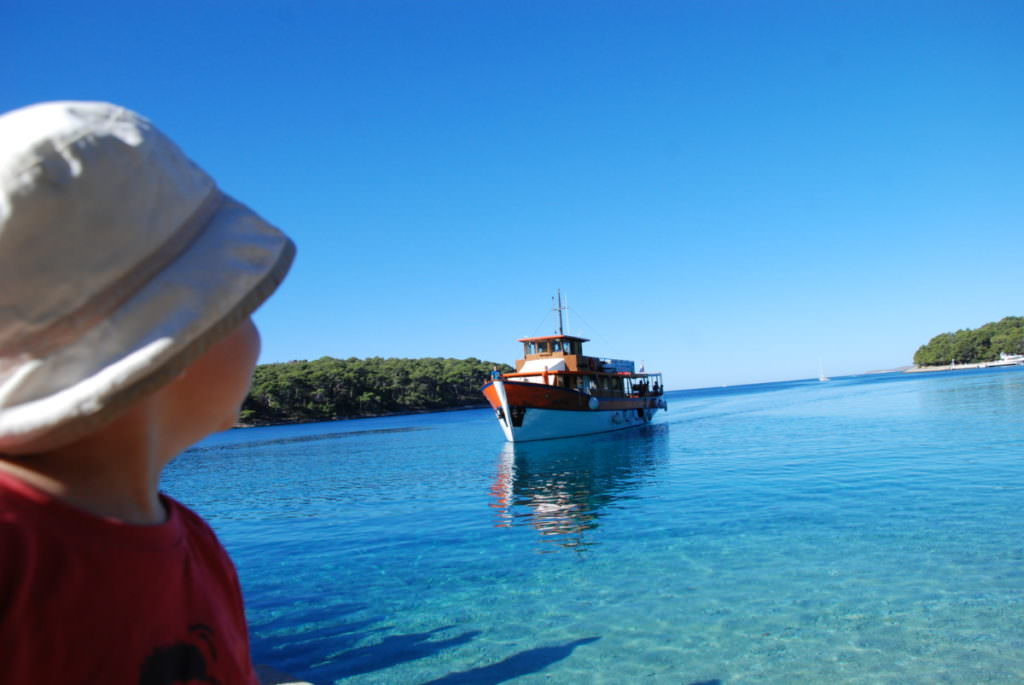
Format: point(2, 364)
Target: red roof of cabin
point(554, 337)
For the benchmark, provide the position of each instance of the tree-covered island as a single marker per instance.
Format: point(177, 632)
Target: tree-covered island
point(329, 388)
point(969, 346)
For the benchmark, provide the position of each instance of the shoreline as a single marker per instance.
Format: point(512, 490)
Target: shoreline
point(957, 367)
point(483, 405)
point(295, 422)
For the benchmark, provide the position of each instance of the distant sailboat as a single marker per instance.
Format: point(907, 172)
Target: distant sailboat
point(821, 372)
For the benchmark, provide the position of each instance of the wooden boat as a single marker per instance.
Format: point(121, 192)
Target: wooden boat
point(558, 392)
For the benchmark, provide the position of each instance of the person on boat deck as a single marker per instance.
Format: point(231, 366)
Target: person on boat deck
point(127, 280)
point(495, 374)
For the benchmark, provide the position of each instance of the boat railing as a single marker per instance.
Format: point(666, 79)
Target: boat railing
point(642, 389)
point(561, 372)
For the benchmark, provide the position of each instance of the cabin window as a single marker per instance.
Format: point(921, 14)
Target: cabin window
point(531, 348)
point(572, 347)
point(556, 346)
point(542, 348)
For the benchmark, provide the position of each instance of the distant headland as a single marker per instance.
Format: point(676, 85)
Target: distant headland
point(328, 389)
point(999, 343)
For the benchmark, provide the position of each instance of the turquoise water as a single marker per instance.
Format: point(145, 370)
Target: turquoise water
point(869, 529)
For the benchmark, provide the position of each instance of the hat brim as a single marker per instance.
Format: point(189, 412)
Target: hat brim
point(233, 265)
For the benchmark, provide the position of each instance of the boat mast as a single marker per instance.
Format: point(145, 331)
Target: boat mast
point(559, 308)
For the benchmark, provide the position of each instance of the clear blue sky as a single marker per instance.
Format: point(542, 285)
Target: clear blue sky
point(727, 190)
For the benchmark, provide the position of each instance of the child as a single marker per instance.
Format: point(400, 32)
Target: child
point(126, 283)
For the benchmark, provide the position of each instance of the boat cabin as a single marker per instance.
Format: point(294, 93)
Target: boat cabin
point(568, 348)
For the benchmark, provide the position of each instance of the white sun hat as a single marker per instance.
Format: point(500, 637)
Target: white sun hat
point(120, 263)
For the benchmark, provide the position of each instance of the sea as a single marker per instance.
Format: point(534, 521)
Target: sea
point(868, 529)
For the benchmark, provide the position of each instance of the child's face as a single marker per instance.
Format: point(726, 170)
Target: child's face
point(208, 394)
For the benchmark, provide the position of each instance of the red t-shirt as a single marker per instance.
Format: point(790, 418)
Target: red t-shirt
point(84, 599)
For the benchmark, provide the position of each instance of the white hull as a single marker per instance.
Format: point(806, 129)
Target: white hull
point(545, 424)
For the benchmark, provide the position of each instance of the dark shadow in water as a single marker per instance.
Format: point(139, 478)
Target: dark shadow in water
point(302, 438)
point(523, 663)
point(276, 643)
point(394, 650)
point(562, 487)
point(268, 638)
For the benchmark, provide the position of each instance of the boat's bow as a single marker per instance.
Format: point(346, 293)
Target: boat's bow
point(504, 417)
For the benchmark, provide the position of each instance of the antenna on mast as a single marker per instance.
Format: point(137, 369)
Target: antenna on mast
point(559, 309)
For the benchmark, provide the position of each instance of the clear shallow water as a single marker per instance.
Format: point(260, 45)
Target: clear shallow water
point(869, 529)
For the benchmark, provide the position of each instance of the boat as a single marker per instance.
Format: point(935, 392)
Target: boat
point(557, 391)
point(821, 373)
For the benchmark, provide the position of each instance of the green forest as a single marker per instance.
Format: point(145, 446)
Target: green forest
point(330, 388)
point(968, 346)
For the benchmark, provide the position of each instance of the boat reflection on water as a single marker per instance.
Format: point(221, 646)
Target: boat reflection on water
point(562, 488)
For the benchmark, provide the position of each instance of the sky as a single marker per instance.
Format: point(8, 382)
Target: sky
point(732, 192)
